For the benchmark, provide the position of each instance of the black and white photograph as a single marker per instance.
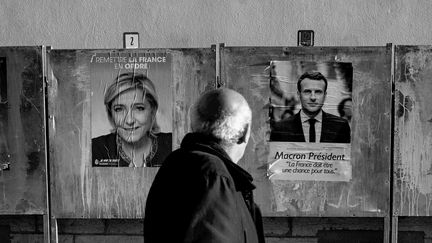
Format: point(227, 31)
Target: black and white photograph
point(216, 121)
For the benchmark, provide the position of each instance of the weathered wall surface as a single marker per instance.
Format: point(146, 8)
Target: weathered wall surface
point(196, 23)
point(18, 229)
point(413, 136)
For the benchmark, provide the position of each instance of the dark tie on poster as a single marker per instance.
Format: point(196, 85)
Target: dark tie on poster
point(312, 130)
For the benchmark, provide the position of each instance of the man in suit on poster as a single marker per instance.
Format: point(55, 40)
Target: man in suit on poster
point(311, 123)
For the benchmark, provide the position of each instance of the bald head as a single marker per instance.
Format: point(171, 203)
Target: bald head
point(223, 114)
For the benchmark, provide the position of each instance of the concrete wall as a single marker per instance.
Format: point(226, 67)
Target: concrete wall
point(65, 24)
point(24, 229)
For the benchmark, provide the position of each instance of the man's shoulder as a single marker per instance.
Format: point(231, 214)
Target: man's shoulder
point(333, 118)
point(335, 129)
point(287, 121)
point(291, 118)
point(198, 161)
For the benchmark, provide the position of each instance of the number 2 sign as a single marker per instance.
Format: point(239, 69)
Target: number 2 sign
point(130, 40)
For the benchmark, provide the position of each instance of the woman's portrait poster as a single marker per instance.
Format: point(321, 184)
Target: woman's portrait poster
point(131, 104)
point(310, 120)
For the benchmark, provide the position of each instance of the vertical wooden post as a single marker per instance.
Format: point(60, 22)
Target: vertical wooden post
point(47, 215)
point(53, 230)
point(46, 228)
point(219, 82)
point(393, 212)
point(387, 229)
point(394, 229)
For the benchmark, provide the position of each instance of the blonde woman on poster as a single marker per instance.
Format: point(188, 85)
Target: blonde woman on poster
point(131, 103)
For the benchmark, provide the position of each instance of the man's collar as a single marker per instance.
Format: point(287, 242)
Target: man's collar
point(305, 118)
point(242, 179)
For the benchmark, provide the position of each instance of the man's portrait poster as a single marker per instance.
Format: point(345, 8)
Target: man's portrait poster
point(131, 104)
point(310, 120)
point(305, 92)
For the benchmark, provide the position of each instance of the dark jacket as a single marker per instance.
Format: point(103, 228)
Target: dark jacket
point(333, 130)
point(104, 151)
point(200, 195)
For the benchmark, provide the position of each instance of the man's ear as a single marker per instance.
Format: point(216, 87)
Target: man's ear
point(243, 138)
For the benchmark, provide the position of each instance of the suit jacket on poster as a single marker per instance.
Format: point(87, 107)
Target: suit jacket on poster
point(200, 195)
point(333, 130)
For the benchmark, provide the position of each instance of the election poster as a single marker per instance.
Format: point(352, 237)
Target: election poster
point(131, 105)
point(309, 162)
point(310, 121)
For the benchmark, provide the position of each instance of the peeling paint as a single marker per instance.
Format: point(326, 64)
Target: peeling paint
point(413, 155)
point(22, 187)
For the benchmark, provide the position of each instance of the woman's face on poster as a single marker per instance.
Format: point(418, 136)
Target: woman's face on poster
point(132, 115)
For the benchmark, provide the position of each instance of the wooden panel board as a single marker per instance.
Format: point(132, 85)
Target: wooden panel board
point(367, 193)
point(22, 131)
point(80, 190)
point(413, 131)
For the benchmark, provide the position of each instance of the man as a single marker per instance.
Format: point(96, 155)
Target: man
point(312, 124)
point(200, 194)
